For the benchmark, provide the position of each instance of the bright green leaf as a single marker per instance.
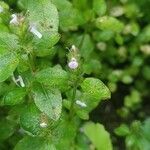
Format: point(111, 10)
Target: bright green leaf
point(99, 6)
point(8, 41)
point(95, 89)
point(122, 130)
point(98, 136)
point(110, 24)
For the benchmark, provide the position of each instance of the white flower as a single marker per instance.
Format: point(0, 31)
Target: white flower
point(82, 104)
point(14, 19)
point(34, 30)
point(73, 48)
point(43, 124)
point(19, 81)
point(1, 9)
point(73, 64)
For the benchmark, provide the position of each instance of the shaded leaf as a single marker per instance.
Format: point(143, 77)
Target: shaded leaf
point(30, 119)
point(36, 143)
point(15, 96)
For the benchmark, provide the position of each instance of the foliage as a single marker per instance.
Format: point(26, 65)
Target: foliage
point(60, 61)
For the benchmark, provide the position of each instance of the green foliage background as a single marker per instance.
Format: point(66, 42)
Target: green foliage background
point(113, 38)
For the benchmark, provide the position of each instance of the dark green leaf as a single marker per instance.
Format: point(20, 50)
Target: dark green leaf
point(15, 96)
point(30, 119)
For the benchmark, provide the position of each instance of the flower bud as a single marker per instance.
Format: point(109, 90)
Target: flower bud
point(14, 19)
point(82, 104)
point(34, 30)
point(19, 81)
point(43, 124)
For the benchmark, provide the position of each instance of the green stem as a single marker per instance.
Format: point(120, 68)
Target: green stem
point(31, 63)
point(73, 100)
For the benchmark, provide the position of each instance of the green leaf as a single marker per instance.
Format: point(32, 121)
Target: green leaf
point(146, 128)
point(98, 136)
point(8, 41)
point(36, 143)
point(67, 131)
point(99, 6)
point(6, 129)
point(8, 63)
point(95, 89)
point(8, 57)
point(122, 130)
point(44, 45)
point(48, 101)
point(75, 16)
point(87, 47)
point(44, 15)
point(30, 119)
point(54, 77)
point(14, 97)
point(110, 24)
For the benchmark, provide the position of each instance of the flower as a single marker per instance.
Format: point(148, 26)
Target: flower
point(82, 104)
point(34, 30)
point(73, 48)
point(43, 124)
point(73, 64)
point(19, 81)
point(14, 19)
point(1, 9)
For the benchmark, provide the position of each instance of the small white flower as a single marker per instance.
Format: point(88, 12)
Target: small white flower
point(1, 9)
point(73, 64)
point(14, 19)
point(34, 30)
point(43, 124)
point(82, 104)
point(73, 47)
point(19, 81)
